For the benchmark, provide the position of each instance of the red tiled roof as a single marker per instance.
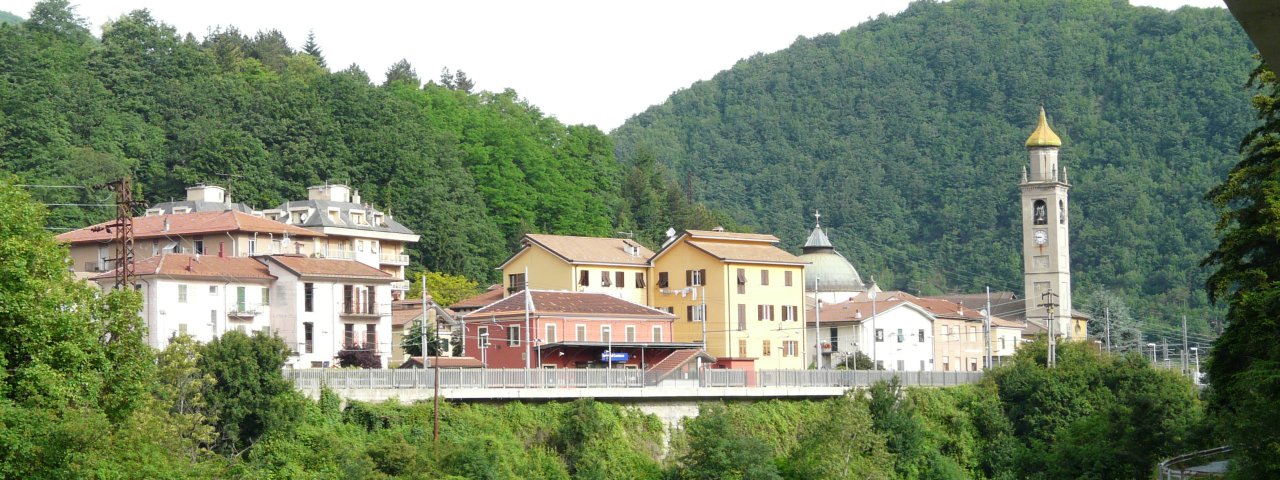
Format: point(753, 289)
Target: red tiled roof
point(189, 224)
point(187, 265)
point(403, 316)
point(750, 237)
point(571, 303)
point(737, 252)
point(445, 362)
point(326, 267)
point(493, 294)
point(593, 250)
point(860, 306)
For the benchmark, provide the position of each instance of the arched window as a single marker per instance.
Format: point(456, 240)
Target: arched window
point(1062, 212)
point(1040, 213)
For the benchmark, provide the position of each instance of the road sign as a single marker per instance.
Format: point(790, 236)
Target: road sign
point(614, 357)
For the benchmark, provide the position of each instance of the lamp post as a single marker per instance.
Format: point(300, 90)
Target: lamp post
point(1196, 351)
point(1153, 353)
point(871, 293)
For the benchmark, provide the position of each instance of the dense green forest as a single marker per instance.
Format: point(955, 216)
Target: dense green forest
point(470, 171)
point(82, 396)
point(907, 133)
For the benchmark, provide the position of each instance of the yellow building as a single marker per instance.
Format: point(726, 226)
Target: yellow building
point(749, 292)
point(613, 266)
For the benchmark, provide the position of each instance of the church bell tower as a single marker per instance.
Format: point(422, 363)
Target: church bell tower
point(1045, 234)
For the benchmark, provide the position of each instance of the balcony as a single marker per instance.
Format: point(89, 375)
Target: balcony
point(244, 311)
point(393, 259)
point(400, 286)
point(103, 265)
point(337, 253)
point(359, 311)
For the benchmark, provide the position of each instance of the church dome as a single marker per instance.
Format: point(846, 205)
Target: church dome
point(1043, 136)
point(835, 271)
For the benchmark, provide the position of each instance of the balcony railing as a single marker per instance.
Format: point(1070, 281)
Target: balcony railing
point(337, 253)
point(359, 311)
point(244, 310)
point(400, 286)
point(100, 266)
point(394, 259)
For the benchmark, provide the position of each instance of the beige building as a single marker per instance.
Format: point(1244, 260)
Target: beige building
point(352, 230)
point(738, 290)
point(613, 266)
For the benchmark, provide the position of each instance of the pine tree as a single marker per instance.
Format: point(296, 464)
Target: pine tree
point(311, 48)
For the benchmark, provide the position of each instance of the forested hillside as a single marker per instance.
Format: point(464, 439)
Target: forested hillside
point(907, 133)
point(470, 171)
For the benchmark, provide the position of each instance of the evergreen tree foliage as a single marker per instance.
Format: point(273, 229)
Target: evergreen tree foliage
point(907, 133)
point(1245, 365)
point(249, 395)
point(313, 49)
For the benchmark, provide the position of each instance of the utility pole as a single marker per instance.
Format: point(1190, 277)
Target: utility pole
point(1107, 312)
point(1049, 307)
point(817, 320)
point(987, 333)
point(123, 228)
point(1186, 369)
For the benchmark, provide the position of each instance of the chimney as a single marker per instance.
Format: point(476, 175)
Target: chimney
point(190, 261)
point(355, 198)
point(718, 229)
point(221, 252)
point(166, 224)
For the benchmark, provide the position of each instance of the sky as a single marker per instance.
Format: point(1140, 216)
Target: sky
point(592, 62)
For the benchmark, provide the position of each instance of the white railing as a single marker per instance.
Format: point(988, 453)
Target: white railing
point(466, 378)
point(394, 259)
point(338, 254)
point(244, 310)
point(857, 378)
point(604, 378)
point(401, 286)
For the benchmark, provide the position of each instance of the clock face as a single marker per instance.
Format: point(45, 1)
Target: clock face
point(1041, 237)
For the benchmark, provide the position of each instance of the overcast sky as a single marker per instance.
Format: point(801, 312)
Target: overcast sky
point(584, 61)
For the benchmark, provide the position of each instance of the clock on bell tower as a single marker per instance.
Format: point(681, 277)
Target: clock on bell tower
point(1045, 233)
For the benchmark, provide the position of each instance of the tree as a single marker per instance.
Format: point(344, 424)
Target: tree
point(357, 357)
point(1244, 367)
point(842, 445)
point(857, 361)
point(180, 389)
point(402, 72)
point(716, 452)
point(313, 49)
point(445, 289)
point(250, 396)
point(412, 341)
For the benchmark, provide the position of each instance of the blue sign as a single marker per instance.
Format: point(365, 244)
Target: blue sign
point(614, 357)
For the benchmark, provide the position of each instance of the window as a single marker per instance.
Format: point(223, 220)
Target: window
point(199, 247)
point(253, 246)
point(742, 280)
point(630, 333)
point(604, 279)
point(308, 336)
point(309, 297)
point(482, 337)
point(240, 299)
point(266, 295)
point(695, 278)
point(551, 333)
point(182, 294)
point(946, 363)
point(920, 335)
point(371, 337)
point(1002, 343)
point(515, 282)
point(767, 346)
point(696, 313)
point(1062, 212)
point(213, 322)
point(620, 279)
point(584, 278)
point(182, 329)
point(348, 299)
point(348, 334)
point(900, 336)
point(657, 334)
point(640, 280)
point(213, 289)
point(606, 333)
point(973, 334)
point(372, 305)
point(513, 336)
point(742, 316)
point(789, 313)
point(786, 277)
point(764, 277)
point(764, 312)
point(790, 348)
point(1040, 213)
point(835, 339)
point(580, 333)
point(742, 348)
point(879, 334)
point(662, 280)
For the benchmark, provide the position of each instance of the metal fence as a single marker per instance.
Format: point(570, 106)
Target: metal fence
point(606, 378)
point(1196, 464)
point(465, 378)
point(859, 378)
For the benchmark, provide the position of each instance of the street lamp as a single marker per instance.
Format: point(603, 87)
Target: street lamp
point(1153, 353)
point(871, 293)
point(1196, 351)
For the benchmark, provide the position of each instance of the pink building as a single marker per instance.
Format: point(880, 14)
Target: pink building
point(569, 330)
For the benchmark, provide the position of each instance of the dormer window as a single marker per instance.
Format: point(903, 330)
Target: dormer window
point(181, 209)
point(334, 216)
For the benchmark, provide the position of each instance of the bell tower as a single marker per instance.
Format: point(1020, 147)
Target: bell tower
point(1046, 254)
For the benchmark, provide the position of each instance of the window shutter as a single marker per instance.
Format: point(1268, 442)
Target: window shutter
point(689, 310)
point(786, 277)
point(742, 316)
point(584, 278)
point(604, 278)
point(639, 279)
point(764, 277)
point(621, 279)
point(688, 278)
point(702, 277)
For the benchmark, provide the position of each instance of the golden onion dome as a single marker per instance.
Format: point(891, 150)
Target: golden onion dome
point(1043, 136)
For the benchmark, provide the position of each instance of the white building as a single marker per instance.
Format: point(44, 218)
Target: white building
point(325, 305)
point(895, 333)
point(200, 295)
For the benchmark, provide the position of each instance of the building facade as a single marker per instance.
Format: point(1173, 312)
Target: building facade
point(611, 266)
point(1046, 249)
